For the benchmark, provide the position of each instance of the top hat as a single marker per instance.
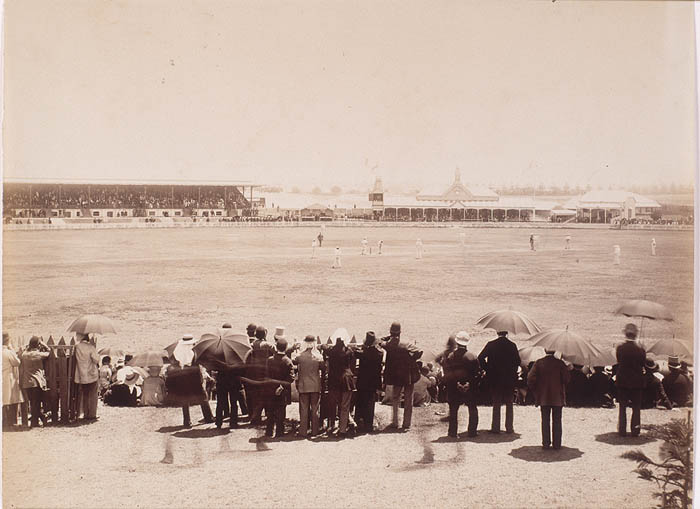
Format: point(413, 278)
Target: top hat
point(370, 338)
point(279, 333)
point(673, 362)
point(309, 339)
point(462, 338)
point(395, 328)
point(502, 332)
point(226, 326)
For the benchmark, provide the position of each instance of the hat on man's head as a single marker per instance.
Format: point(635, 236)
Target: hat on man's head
point(395, 328)
point(462, 338)
point(226, 326)
point(549, 351)
point(631, 330)
point(281, 344)
point(279, 333)
point(309, 339)
point(651, 364)
point(251, 329)
point(502, 332)
point(5, 337)
point(34, 342)
point(673, 362)
point(370, 338)
point(260, 332)
point(187, 337)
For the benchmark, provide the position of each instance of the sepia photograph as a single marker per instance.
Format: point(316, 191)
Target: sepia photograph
point(349, 253)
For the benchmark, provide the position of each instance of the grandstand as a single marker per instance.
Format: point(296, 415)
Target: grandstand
point(35, 199)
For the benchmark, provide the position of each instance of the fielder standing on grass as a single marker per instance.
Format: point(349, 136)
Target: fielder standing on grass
point(336, 261)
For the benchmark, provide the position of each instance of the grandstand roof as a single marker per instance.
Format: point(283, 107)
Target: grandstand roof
point(514, 202)
point(133, 182)
point(609, 199)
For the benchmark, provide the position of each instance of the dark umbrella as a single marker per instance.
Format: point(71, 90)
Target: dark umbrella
point(640, 308)
point(216, 352)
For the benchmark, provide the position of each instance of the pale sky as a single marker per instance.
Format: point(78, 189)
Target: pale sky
point(333, 92)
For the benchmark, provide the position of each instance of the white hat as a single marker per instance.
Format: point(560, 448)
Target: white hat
point(462, 338)
point(279, 333)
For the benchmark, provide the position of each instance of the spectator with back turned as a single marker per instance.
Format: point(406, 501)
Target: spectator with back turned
point(462, 372)
point(33, 378)
point(400, 372)
point(630, 380)
point(277, 397)
point(256, 363)
point(548, 379)
point(369, 381)
point(677, 385)
point(86, 375)
point(500, 359)
point(654, 393)
point(310, 371)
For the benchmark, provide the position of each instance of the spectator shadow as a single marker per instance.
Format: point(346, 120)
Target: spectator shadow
point(201, 433)
point(483, 437)
point(169, 429)
point(535, 453)
point(613, 438)
point(287, 437)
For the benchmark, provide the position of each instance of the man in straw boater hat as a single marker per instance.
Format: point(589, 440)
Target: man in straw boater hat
point(654, 393)
point(501, 360)
point(677, 384)
point(462, 371)
point(630, 380)
point(310, 371)
point(400, 372)
point(547, 379)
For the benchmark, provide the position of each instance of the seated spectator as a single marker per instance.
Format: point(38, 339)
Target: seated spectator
point(577, 389)
point(125, 391)
point(421, 389)
point(600, 385)
point(105, 375)
point(677, 385)
point(654, 393)
point(153, 388)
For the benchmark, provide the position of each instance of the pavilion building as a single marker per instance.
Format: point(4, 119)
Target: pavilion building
point(606, 206)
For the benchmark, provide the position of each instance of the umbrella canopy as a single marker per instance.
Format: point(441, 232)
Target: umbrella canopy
point(148, 359)
point(217, 352)
point(530, 354)
point(428, 356)
point(92, 324)
point(341, 333)
point(514, 322)
point(572, 347)
point(666, 347)
point(114, 353)
point(644, 309)
point(605, 357)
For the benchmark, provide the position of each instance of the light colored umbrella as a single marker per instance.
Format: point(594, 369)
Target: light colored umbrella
point(605, 357)
point(114, 353)
point(530, 354)
point(666, 347)
point(341, 333)
point(572, 347)
point(644, 309)
point(148, 359)
point(514, 322)
point(92, 324)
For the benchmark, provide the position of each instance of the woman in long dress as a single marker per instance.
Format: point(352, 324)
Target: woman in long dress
point(11, 393)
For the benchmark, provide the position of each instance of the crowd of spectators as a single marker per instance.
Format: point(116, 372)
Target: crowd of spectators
point(60, 196)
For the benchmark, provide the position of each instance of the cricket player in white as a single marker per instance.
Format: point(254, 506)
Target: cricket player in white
point(653, 247)
point(567, 245)
point(364, 246)
point(419, 249)
point(616, 254)
point(379, 246)
point(336, 261)
point(314, 244)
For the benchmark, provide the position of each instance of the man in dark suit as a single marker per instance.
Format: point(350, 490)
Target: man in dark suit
point(547, 379)
point(500, 359)
point(340, 385)
point(578, 393)
point(369, 380)
point(256, 364)
point(630, 380)
point(462, 371)
point(600, 385)
point(279, 367)
point(677, 385)
point(400, 372)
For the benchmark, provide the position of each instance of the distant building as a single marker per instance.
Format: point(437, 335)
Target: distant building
point(610, 206)
point(458, 203)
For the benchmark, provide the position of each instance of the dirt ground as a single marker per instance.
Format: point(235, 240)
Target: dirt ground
point(158, 284)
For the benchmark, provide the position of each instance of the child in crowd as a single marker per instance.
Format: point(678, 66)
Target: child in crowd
point(105, 375)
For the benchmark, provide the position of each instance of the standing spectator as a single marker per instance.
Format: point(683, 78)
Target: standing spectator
point(250, 330)
point(500, 359)
point(340, 385)
point(400, 372)
point(547, 379)
point(310, 369)
point(630, 380)
point(184, 356)
point(11, 393)
point(256, 362)
point(279, 368)
point(86, 374)
point(677, 385)
point(228, 387)
point(33, 379)
point(369, 380)
point(462, 371)
point(105, 374)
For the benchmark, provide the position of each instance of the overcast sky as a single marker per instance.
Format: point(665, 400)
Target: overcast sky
point(334, 92)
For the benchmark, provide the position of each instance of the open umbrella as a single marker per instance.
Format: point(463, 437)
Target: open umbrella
point(605, 357)
point(530, 354)
point(666, 347)
point(214, 352)
point(514, 322)
point(572, 347)
point(113, 352)
point(341, 333)
point(148, 359)
point(644, 309)
point(92, 324)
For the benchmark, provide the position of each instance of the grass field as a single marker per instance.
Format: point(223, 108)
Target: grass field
point(158, 284)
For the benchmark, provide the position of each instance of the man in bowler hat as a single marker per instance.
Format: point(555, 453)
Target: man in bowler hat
point(369, 380)
point(548, 379)
point(462, 371)
point(401, 372)
point(500, 359)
